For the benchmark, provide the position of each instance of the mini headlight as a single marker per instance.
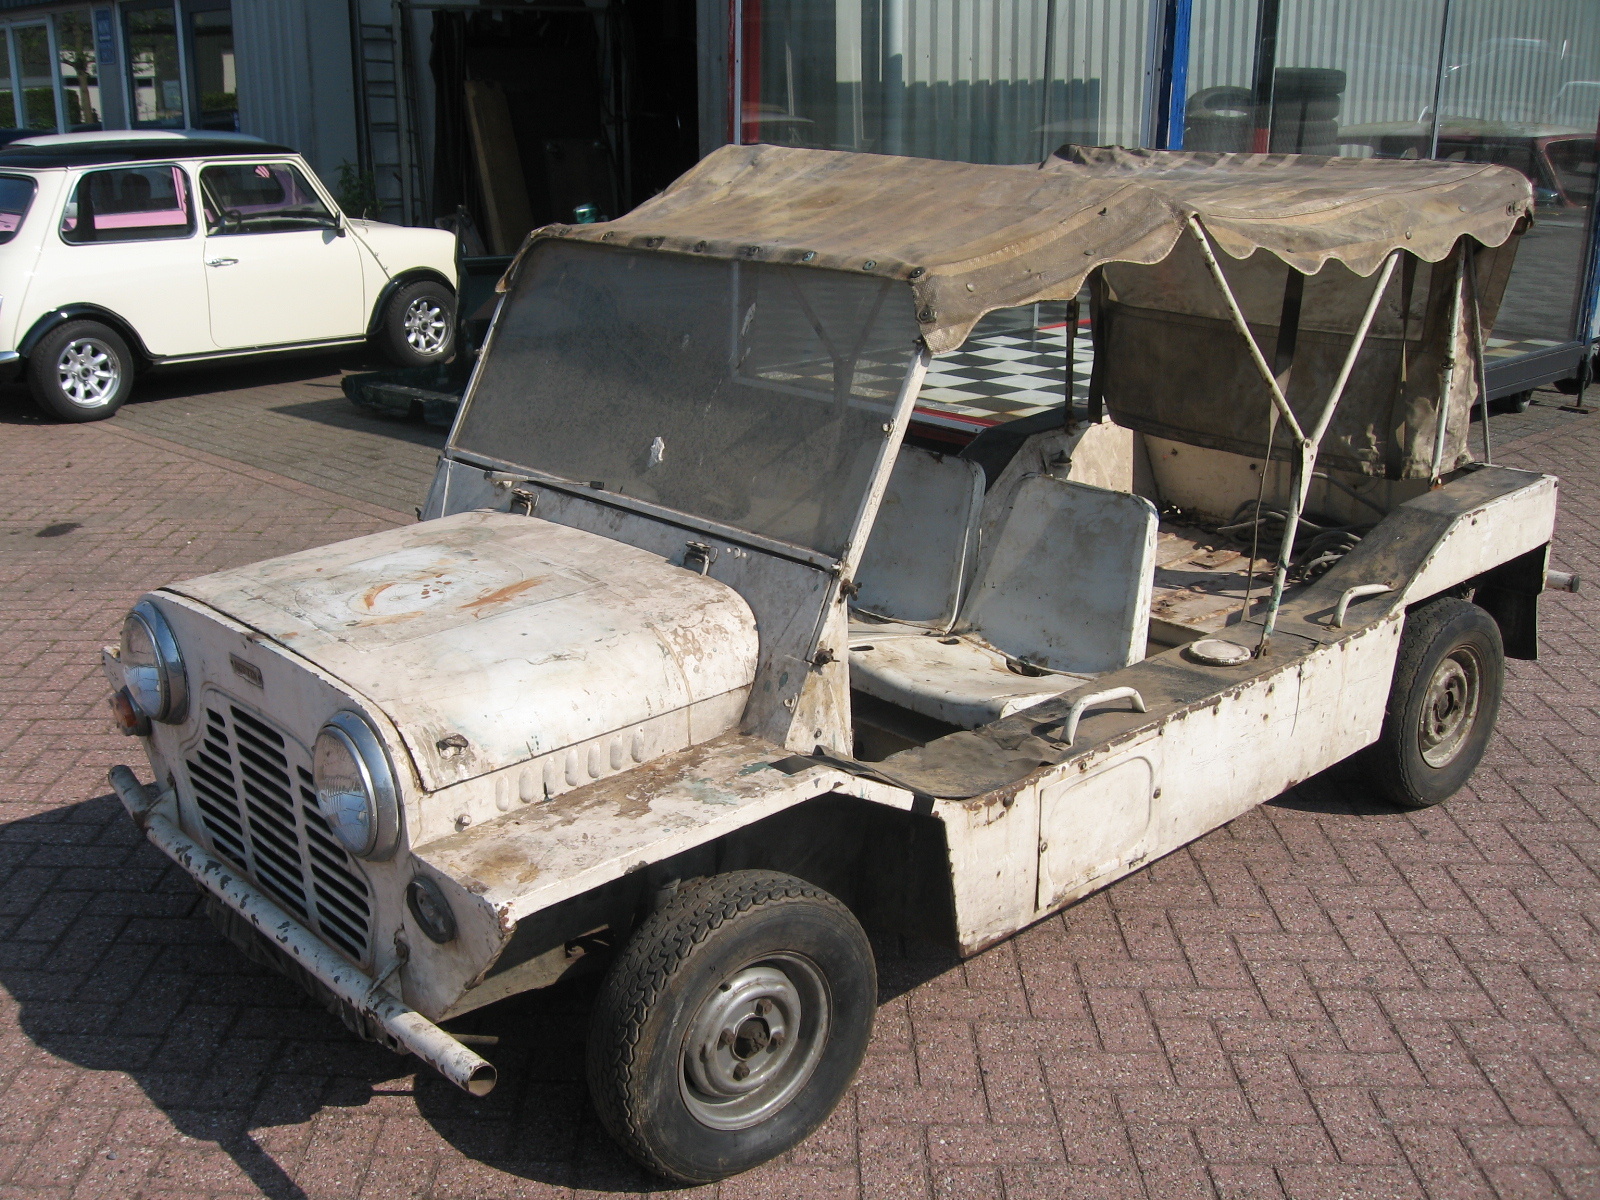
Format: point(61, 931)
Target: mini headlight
point(151, 665)
point(355, 787)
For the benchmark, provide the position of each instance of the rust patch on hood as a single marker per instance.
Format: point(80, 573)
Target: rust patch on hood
point(500, 595)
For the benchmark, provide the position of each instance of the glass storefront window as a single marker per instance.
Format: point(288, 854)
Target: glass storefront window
point(211, 49)
point(80, 71)
point(993, 81)
point(151, 37)
point(37, 76)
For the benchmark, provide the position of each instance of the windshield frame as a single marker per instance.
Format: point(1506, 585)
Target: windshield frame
point(875, 483)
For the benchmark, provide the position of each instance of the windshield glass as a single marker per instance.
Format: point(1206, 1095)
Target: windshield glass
point(16, 194)
point(751, 394)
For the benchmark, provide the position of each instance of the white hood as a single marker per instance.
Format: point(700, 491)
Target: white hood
point(518, 635)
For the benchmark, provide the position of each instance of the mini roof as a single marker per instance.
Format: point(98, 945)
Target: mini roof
point(128, 145)
point(971, 238)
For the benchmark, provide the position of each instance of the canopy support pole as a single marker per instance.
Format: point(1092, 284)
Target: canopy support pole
point(1310, 444)
point(1480, 372)
point(1449, 379)
point(1243, 327)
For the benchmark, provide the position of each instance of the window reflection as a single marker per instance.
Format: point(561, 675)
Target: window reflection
point(80, 72)
point(211, 39)
point(152, 42)
point(37, 76)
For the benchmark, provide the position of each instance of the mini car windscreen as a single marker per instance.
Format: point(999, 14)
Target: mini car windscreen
point(260, 198)
point(16, 194)
point(127, 204)
point(750, 394)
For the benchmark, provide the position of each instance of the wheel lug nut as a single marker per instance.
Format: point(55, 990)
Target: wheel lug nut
point(763, 1007)
point(740, 1071)
point(725, 1038)
point(775, 1040)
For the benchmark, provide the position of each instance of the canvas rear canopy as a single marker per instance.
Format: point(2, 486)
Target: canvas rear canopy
point(969, 238)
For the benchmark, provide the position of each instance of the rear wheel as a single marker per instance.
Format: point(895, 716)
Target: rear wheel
point(80, 371)
point(1448, 680)
point(730, 1026)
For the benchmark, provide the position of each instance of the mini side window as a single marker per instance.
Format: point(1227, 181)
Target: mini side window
point(129, 204)
point(261, 198)
point(16, 195)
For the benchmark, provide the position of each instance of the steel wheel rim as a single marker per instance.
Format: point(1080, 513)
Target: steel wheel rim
point(425, 326)
point(769, 1020)
point(1450, 707)
point(88, 373)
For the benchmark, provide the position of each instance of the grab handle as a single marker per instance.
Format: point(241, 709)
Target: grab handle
point(1069, 731)
point(1356, 593)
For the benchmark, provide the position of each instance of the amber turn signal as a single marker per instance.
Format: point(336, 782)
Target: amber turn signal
point(127, 715)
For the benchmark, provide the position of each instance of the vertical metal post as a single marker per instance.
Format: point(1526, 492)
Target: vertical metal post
point(1266, 66)
point(1045, 139)
point(1448, 382)
point(1438, 80)
point(1172, 84)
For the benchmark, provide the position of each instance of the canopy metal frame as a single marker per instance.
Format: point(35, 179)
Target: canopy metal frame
point(1307, 442)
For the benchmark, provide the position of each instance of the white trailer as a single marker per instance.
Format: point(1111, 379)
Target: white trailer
point(696, 668)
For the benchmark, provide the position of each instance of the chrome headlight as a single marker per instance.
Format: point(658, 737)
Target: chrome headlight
point(151, 665)
point(355, 787)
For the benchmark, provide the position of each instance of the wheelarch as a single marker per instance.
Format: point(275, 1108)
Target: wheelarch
point(399, 281)
point(889, 867)
point(57, 317)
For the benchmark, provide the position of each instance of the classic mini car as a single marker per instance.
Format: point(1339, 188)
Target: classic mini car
point(696, 668)
point(128, 249)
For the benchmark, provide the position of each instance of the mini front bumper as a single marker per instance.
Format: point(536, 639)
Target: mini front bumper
point(156, 814)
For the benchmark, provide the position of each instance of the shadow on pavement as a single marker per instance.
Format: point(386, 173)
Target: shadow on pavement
point(114, 967)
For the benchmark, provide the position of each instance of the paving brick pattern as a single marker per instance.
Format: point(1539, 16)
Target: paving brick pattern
point(1326, 998)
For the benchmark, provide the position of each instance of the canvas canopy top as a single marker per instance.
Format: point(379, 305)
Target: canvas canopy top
point(971, 238)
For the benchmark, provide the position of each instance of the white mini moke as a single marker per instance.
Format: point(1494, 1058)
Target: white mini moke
point(698, 666)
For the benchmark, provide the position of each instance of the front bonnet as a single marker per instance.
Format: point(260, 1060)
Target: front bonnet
point(520, 636)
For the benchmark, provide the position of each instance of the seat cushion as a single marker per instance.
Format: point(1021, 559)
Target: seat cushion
point(957, 680)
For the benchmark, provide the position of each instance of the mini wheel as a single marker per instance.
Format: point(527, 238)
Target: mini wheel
point(418, 326)
point(1448, 679)
point(1517, 402)
point(731, 1024)
point(80, 371)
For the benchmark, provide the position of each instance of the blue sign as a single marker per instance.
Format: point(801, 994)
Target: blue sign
point(105, 42)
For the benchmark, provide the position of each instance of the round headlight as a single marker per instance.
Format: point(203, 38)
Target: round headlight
point(151, 665)
point(355, 787)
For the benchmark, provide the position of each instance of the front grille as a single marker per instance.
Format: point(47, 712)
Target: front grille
point(252, 786)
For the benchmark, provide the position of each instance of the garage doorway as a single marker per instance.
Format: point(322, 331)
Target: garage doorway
point(561, 114)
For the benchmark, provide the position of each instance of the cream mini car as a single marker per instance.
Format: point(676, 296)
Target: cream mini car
point(128, 249)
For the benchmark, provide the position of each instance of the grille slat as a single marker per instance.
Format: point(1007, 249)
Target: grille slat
point(245, 787)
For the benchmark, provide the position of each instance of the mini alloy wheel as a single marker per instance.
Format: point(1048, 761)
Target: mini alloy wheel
point(80, 371)
point(427, 326)
point(418, 325)
point(89, 373)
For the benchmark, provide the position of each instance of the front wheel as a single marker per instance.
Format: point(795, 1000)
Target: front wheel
point(731, 1024)
point(1448, 679)
point(418, 326)
point(80, 371)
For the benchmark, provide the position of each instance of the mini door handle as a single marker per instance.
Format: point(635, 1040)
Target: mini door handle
point(221, 262)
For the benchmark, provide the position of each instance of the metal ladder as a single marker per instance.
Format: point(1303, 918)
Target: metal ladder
point(386, 127)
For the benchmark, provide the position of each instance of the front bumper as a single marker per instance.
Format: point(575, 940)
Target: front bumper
point(156, 814)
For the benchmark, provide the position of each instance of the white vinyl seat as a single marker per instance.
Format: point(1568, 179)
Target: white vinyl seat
point(1060, 594)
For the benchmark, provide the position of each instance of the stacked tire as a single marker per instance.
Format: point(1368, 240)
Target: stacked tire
point(1305, 110)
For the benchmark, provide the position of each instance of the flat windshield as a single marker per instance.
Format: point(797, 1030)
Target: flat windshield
point(750, 394)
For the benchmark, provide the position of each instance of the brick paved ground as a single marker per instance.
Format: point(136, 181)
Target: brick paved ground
point(1325, 998)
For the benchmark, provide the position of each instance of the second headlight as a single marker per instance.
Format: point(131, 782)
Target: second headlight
point(355, 787)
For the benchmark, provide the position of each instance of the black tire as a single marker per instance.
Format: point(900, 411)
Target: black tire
point(418, 326)
point(1448, 680)
point(80, 371)
point(696, 973)
point(1517, 402)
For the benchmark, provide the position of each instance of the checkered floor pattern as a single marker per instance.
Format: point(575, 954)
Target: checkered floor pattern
point(1511, 347)
point(1004, 371)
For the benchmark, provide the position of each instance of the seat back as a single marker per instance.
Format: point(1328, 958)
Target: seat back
point(919, 557)
point(1064, 580)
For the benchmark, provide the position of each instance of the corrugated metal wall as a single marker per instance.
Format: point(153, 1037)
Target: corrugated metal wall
point(295, 78)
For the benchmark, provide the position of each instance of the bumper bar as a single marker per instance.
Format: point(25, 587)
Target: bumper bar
point(410, 1028)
